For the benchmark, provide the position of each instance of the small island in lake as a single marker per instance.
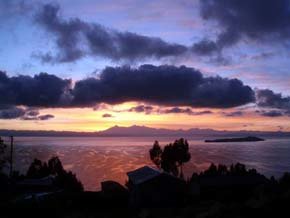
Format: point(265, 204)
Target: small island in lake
point(241, 139)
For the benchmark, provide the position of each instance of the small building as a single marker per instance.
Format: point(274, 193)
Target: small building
point(154, 188)
point(35, 189)
point(37, 185)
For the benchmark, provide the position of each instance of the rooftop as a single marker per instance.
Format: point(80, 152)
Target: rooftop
point(143, 174)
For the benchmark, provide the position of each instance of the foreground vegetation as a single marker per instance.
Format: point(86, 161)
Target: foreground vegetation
point(219, 191)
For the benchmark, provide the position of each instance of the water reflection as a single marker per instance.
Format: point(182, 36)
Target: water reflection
point(98, 159)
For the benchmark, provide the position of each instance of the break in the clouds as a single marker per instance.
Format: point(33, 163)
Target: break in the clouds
point(76, 38)
point(162, 85)
point(257, 20)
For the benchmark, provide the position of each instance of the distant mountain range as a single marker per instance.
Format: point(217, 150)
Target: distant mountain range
point(118, 131)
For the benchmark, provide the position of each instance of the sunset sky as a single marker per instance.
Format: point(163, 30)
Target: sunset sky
point(87, 65)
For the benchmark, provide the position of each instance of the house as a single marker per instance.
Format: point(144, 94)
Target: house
point(41, 185)
point(35, 189)
point(154, 188)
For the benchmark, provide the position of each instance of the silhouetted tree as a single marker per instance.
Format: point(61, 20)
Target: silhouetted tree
point(155, 154)
point(182, 154)
point(169, 160)
point(235, 170)
point(284, 181)
point(63, 179)
point(55, 166)
point(37, 170)
point(172, 157)
point(238, 169)
point(211, 171)
point(222, 169)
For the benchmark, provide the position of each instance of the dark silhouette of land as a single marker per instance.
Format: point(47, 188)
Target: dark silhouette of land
point(243, 139)
point(47, 190)
point(119, 131)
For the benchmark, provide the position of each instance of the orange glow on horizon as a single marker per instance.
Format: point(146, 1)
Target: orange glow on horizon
point(89, 120)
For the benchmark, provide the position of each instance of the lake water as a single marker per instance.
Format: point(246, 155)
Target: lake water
point(95, 159)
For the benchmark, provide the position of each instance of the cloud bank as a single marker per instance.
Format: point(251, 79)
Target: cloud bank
point(42, 90)
point(76, 38)
point(181, 88)
point(259, 21)
point(162, 85)
point(256, 20)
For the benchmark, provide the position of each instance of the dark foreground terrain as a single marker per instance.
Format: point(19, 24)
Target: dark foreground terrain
point(219, 191)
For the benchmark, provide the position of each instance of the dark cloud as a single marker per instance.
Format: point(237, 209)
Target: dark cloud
point(203, 112)
point(41, 117)
point(32, 113)
point(107, 115)
point(23, 113)
point(41, 90)
point(233, 114)
point(11, 112)
point(189, 111)
point(263, 56)
point(67, 34)
point(272, 113)
point(147, 109)
point(165, 85)
point(205, 47)
point(177, 110)
point(268, 98)
point(76, 38)
point(162, 85)
point(45, 117)
point(47, 57)
point(257, 20)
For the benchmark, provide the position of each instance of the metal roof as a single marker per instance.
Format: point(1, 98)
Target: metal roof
point(143, 174)
point(46, 181)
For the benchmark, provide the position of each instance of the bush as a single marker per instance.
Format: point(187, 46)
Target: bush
point(63, 179)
